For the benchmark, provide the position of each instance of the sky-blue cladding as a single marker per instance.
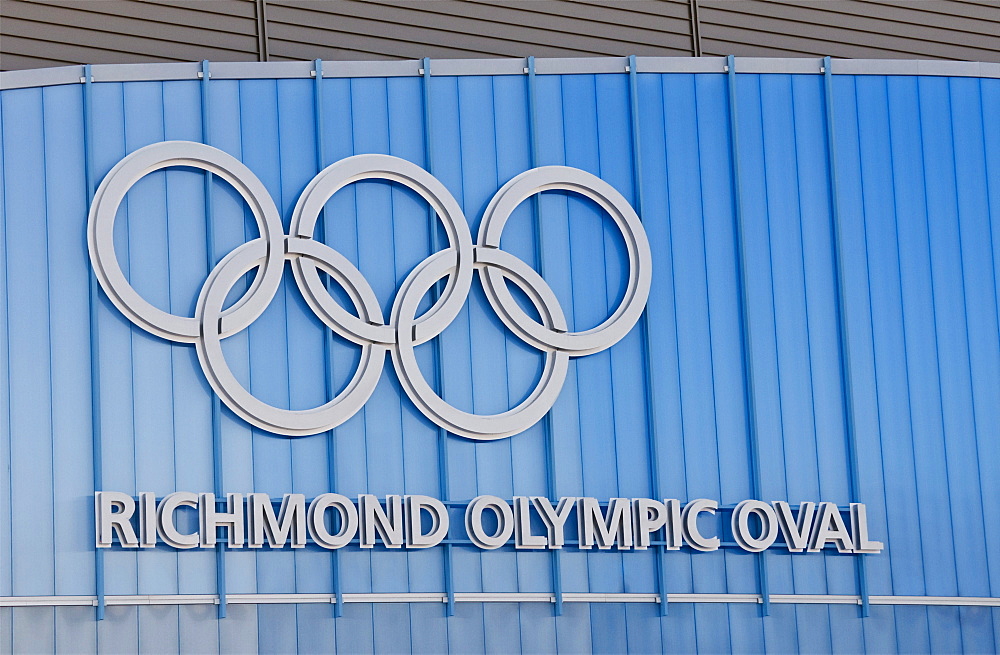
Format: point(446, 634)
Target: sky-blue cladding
point(918, 183)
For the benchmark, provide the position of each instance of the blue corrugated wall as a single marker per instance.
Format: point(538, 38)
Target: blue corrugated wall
point(917, 185)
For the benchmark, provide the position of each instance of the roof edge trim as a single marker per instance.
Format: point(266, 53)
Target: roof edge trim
point(38, 77)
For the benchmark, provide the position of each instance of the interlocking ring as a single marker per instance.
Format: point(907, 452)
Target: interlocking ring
point(101, 236)
point(367, 327)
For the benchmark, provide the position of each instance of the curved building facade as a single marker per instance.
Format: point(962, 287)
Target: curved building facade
point(608, 354)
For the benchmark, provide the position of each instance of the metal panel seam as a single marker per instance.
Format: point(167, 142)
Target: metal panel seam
point(536, 208)
point(48, 328)
point(93, 302)
point(993, 238)
point(843, 325)
point(331, 435)
point(216, 411)
point(647, 364)
point(425, 91)
point(965, 307)
point(934, 322)
point(8, 528)
point(749, 407)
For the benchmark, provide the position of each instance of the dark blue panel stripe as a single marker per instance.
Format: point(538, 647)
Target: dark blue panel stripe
point(95, 295)
point(649, 395)
point(539, 256)
point(438, 387)
point(331, 436)
point(219, 484)
point(746, 354)
point(846, 376)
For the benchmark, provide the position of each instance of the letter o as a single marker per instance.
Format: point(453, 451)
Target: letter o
point(741, 525)
point(348, 520)
point(474, 522)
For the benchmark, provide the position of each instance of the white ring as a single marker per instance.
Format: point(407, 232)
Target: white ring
point(101, 231)
point(385, 167)
point(618, 324)
point(445, 415)
point(291, 423)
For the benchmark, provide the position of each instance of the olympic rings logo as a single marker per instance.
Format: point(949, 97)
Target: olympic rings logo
point(367, 327)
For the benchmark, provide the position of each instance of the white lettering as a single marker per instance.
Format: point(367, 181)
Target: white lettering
point(795, 529)
point(829, 526)
point(232, 519)
point(607, 530)
point(388, 522)
point(474, 522)
point(114, 511)
point(768, 525)
point(290, 522)
point(415, 536)
point(317, 520)
point(554, 518)
point(859, 525)
point(165, 519)
point(689, 519)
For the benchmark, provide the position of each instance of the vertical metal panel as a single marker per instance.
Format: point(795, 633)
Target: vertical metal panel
point(743, 245)
point(93, 300)
point(880, 634)
point(857, 296)
point(75, 629)
point(539, 451)
point(6, 532)
point(119, 631)
point(960, 422)
point(873, 204)
point(218, 484)
point(268, 338)
point(159, 628)
point(714, 405)
point(917, 298)
point(632, 429)
point(433, 235)
point(989, 105)
point(331, 471)
point(232, 226)
point(146, 229)
point(786, 629)
point(238, 633)
point(847, 379)
point(29, 409)
point(548, 133)
point(669, 103)
point(197, 629)
point(979, 271)
point(74, 569)
point(282, 637)
point(114, 338)
point(33, 628)
point(306, 388)
point(341, 229)
point(538, 260)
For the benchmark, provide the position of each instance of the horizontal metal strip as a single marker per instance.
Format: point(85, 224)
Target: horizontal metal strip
point(501, 66)
point(476, 597)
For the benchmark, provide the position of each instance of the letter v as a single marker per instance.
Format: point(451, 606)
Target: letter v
point(795, 529)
